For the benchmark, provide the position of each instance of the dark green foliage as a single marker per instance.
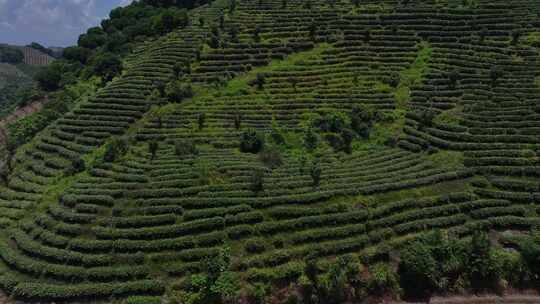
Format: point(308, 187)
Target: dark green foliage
point(106, 65)
point(201, 120)
point(255, 245)
point(78, 165)
point(516, 34)
point(169, 20)
point(233, 33)
point(276, 135)
point(177, 91)
point(383, 280)
point(426, 117)
point(237, 121)
point(216, 284)
point(293, 81)
point(50, 77)
point(315, 173)
point(153, 146)
point(393, 80)
point(356, 3)
point(529, 248)
point(214, 42)
point(256, 34)
point(222, 21)
point(433, 263)
point(495, 73)
point(482, 268)
point(11, 55)
point(311, 139)
point(251, 141)
point(232, 6)
point(453, 77)
point(94, 38)
point(185, 148)
point(312, 30)
point(483, 34)
point(77, 53)
point(115, 149)
point(260, 80)
point(257, 181)
point(271, 157)
point(161, 87)
point(177, 69)
point(23, 130)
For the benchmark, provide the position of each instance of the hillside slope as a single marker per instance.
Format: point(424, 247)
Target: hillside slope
point(449, 94)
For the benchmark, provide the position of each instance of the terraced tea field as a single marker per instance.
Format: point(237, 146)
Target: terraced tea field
point(454, 145)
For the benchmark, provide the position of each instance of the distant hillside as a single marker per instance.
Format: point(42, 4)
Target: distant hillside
point(15, 83)
point(33, 55)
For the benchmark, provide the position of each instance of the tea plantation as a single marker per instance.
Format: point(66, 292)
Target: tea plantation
point(291, 151)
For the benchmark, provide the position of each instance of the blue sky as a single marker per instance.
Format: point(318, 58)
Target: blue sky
point(51, 22)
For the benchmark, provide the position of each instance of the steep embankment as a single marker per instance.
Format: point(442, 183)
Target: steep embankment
point(454, 146)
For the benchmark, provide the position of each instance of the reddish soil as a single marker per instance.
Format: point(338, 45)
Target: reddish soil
point(18, 114)
point(3, 298)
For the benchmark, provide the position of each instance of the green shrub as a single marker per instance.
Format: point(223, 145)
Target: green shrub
point(255, 246)
point(237, 121)
point(257, 293)
point(418, 270)
point(201, 120)
point(271, 157)
point(176, 91)
point(257, 181)
point(106, 65)
point(484, 269)
point(153, 147)
point(115, 149)
point(78, 165)
point(251, 141)
point(260, 81)
point(315, 173)
point(311, 139)
point(383, 280)
point(184, 148)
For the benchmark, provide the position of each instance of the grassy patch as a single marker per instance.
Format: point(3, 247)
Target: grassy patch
point(392, 123)
point(417, 193)
point(415, 73)
point(532, 39)
point(447, 159)
point(451, 116)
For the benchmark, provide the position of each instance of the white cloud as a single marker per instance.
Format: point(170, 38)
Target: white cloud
point(52, 22)
point(122, 2)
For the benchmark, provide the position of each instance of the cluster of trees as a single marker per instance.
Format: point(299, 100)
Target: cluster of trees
point(11, 55)
point(437, 263)
point(434, 263)
point(21, 131)
point(99, 51)
point(339, 129)
point(216, 284)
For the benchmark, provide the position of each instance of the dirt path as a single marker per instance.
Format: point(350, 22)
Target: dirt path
point(3, 298)
point(487, 299)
